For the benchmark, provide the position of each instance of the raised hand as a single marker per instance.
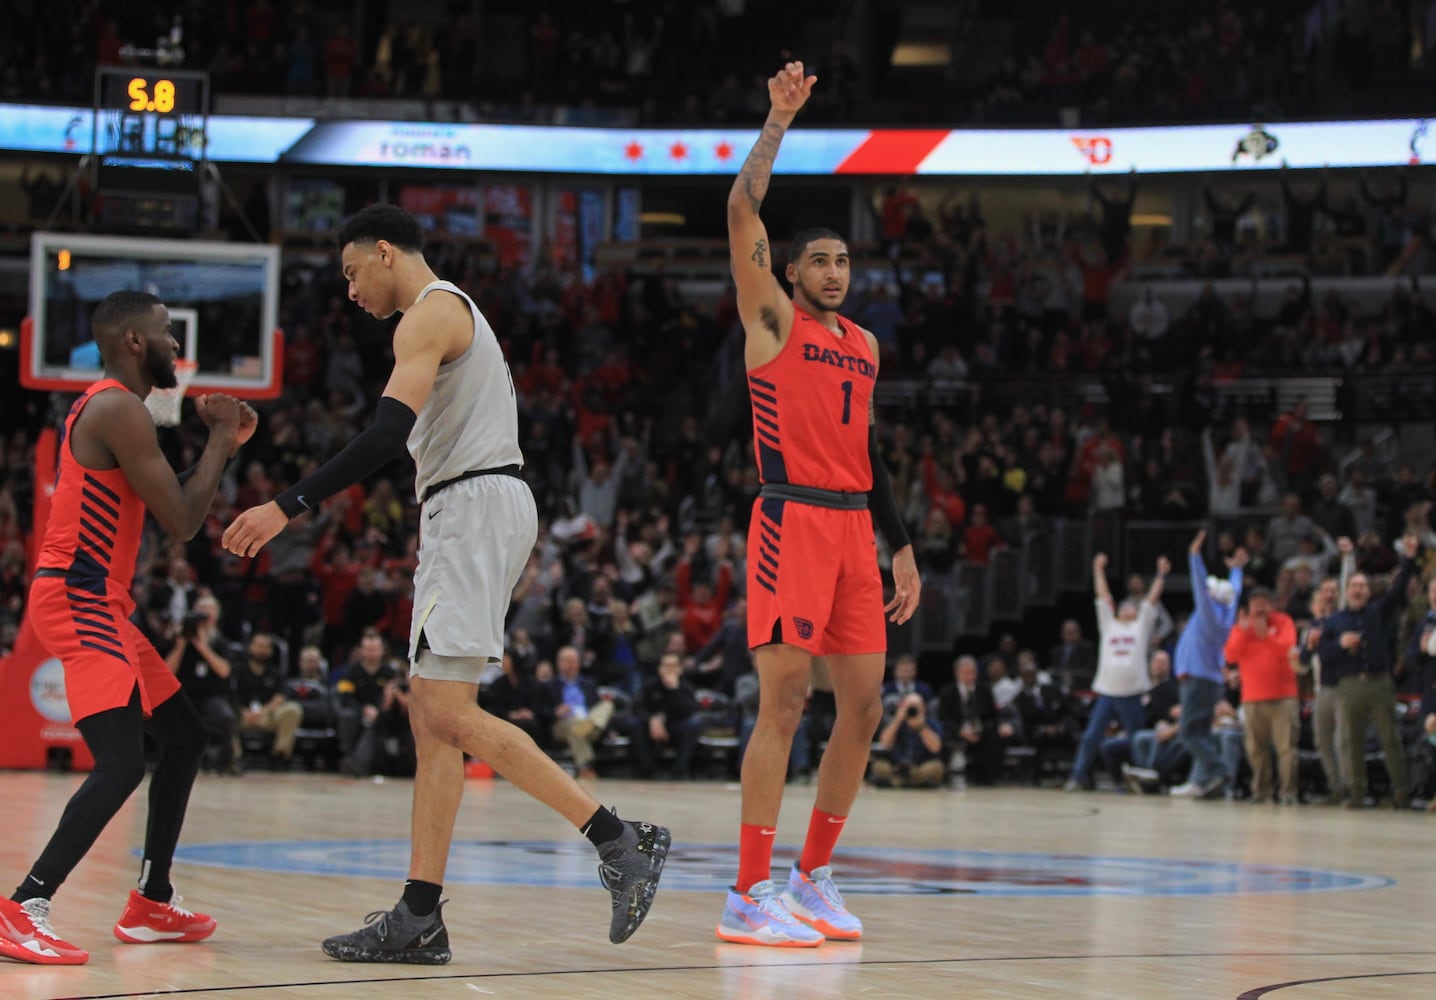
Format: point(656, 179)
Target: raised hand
point(1164, 565)
point(1099, 562)
point(1238, 559)
point(789, 88)
point(1196, 547)
point(1345, 545)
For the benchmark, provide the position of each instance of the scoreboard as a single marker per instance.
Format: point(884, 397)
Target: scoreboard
point(150, 146)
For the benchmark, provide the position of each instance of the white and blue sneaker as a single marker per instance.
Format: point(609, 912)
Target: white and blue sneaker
point(758, 916)
point(814, 900)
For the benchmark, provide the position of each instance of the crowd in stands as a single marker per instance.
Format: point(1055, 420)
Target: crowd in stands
point(705, 62)
point(627, 645)
point(627, 650)
point(673, 61)
point(1126, 63)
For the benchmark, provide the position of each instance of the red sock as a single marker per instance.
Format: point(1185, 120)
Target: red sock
point(755, 855)
point(823, 832)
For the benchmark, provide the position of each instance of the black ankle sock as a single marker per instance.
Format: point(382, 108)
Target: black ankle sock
point(422, 898)
point(31, 888)
point(602, 827)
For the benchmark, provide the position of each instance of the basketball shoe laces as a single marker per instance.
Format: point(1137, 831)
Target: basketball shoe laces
point(829, 892)
point(611, 876)
point(774, 909)
point(380, 920)
point(175, 904)
point(39, 912)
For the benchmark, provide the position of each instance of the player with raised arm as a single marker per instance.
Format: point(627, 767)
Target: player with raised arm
point(110, 471)
point(451, 398)
point(814, 588)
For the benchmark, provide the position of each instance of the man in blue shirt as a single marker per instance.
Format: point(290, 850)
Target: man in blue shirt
point(1199, 668)
point(1355, 649)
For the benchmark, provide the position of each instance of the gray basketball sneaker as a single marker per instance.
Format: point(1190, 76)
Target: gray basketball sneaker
point(395, 935)
point(630, 868)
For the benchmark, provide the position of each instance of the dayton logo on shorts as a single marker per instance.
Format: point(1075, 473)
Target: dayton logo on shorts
point(804, 627)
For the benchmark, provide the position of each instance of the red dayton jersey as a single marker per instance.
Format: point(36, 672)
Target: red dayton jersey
point(95, 517)
point(810, 408)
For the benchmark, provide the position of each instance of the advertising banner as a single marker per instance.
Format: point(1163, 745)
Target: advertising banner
point(816, 151)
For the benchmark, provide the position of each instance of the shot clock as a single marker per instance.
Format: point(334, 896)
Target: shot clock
point(150, 126)
point(142, 112)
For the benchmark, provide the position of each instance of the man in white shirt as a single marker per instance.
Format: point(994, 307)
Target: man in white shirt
point(1148, 317)
point(1122, 679)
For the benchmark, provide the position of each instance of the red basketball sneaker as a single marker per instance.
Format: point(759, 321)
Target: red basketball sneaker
point(26, 934)
point(147, 922)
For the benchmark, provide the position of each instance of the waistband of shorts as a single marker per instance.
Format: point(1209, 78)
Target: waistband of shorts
point(814, 497)
point(514, 471)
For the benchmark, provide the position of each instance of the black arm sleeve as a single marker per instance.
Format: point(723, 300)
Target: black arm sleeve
point(366, 454)
point(881, 501)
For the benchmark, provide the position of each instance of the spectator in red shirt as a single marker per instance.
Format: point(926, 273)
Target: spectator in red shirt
point(334, 568)
point(339, 55)
point(1298, 441)
point(701, 602)
point(979, 538)
point(1261, 644)
point(302, 359)
point(941, 493)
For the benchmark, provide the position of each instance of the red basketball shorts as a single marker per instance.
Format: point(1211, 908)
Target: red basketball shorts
point(813, 574)
point(104, 655)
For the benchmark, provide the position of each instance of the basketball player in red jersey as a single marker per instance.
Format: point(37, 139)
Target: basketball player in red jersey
point(111, 470)
point(814, 587)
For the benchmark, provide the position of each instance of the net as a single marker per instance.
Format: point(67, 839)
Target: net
point(164, 404)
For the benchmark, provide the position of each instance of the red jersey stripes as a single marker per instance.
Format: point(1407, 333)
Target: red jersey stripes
point(810, 408)
point(95, 515)
point(80, 602)
point(812, 570)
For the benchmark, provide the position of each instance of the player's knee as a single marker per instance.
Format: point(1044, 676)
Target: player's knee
point(865, 712)
point(785, 710)
point(122, 771)
point(435, 721)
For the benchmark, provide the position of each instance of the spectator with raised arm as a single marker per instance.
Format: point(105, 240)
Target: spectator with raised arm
point(1356, 655)
point(1328, 733)
point(1199, 662)
point(1126, 632)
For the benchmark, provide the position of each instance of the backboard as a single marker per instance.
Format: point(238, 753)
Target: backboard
point(223, 300)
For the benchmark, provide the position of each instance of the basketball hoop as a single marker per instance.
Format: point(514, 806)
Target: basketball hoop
point(164, 404)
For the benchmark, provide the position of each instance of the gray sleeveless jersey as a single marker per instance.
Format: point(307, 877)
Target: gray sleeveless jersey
point(471, 418)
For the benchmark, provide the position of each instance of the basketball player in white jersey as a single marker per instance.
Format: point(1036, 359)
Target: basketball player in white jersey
point(451, 397)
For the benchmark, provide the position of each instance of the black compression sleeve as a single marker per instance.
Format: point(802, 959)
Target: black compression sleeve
point(366, 454)
point(881, 501)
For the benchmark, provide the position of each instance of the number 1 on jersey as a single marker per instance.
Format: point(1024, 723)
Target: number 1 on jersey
point(847, 388)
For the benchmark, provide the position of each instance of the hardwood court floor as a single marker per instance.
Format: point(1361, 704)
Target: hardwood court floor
point(1045, 895)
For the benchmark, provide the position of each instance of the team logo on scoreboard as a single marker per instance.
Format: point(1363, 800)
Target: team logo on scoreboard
point(1095, 149)
point(1255, 146)
point(1419, 136)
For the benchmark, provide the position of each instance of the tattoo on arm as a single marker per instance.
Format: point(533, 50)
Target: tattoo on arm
point(758, 167)
point(760, 253)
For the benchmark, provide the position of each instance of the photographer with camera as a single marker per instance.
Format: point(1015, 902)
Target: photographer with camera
point(200, 660)
point(912, 749)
